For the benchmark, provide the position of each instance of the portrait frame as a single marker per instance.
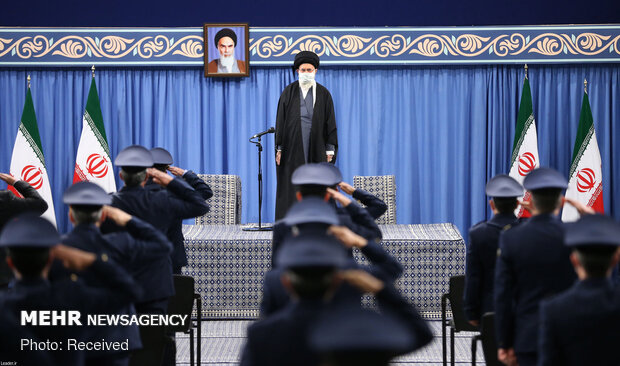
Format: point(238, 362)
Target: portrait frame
point(212, 67)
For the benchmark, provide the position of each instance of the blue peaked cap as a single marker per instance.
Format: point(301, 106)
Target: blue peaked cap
point(592, 230)
point(86, 193)
point(29, 231)
point(542, 178)
point(161, 156)
point(134, 156)
point(503, 185)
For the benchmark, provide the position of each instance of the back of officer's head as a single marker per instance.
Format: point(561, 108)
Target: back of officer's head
point(595, 240)
point(27, 239)
point(546, 185)
point(505, 205)
point(29, 262)
point(86, 214)
point(85, 200)
point(547, 200)
point(596, 260)
point(310, 262)
point(133, 176)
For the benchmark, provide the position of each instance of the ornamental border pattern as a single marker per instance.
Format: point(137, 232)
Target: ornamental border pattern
point(145, 47)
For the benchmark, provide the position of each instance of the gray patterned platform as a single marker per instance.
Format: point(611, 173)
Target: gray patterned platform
point(229, 264)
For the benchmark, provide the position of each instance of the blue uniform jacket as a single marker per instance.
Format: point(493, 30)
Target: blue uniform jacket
point(117, 290)
point(353, 216)
point(580, 326)
point(383, 266)
point(480, 268)
point(141, 250)
point(533, 264)
point(175, 232)
point(282, 338)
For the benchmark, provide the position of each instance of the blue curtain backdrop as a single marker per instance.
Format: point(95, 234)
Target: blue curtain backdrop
point(442, 131)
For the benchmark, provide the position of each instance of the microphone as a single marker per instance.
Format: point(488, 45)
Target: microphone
point(270, 130)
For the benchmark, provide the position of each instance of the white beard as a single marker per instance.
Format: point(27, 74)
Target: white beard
point(227, 62)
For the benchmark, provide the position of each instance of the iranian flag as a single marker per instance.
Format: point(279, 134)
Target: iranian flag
point(525, 146)
point(27, 162)
point(586, 179)
point(93, 162)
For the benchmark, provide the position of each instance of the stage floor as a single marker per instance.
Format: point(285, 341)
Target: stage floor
point(229, 264)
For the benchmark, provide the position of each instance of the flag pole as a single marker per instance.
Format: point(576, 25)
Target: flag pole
point(92, 69)
point(526, 70)
point(28, 78)
point(585, 86)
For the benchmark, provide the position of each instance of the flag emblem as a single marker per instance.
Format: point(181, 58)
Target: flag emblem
point(97, 165)
point(586, 179)
point(527, 163)
point(33, 176)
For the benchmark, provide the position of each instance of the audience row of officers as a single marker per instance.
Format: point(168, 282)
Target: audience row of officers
point(550, 284)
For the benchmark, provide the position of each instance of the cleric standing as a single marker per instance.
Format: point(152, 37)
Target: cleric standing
point(305, 128)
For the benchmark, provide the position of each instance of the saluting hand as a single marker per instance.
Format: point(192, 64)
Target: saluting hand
point(159, 177)
point(120, 217)
point(362, 280)
point(9, 179)
point(581, 208)
point(72, 258)
point(347, 237)
point(346, 188)
point(176, 171)
point(341, 198)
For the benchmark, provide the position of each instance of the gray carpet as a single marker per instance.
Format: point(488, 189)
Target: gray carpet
point(222, 342)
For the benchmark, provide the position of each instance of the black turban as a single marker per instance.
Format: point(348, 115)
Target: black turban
point(306, 57)
point(225, 32)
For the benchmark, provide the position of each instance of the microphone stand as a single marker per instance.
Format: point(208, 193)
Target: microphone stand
point(260, 188)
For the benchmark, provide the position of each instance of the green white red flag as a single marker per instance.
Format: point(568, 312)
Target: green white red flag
point(585, 182)
point(92, 162)
point(525, 146)
point(27, 161)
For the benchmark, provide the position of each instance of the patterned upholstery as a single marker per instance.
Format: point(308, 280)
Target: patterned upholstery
point(384, 187)
point(229, 264)
point(225, 205)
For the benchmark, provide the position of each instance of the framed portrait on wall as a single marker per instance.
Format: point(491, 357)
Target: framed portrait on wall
point(227, 50)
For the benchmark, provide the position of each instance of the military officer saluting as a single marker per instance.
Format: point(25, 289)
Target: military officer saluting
point(482, 248)
point(533, 264)
point(162, 161)
point(321, 180)
point(141, 250)
point(32, 244)
point(580, 326)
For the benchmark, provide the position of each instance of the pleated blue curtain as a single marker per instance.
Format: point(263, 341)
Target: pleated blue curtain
point(442, 131)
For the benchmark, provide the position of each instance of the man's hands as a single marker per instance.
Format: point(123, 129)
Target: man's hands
point(581, 208)
point(120, 217)
point(362, 280)
point(329, 158)
point(71, 258)
point(176, 171)
point(347, 237)
point(159, 177)
point(339, 197)
point(278, 157)
point(475, 323)
point(9, 179)
point(507, 356)
point(346, 188)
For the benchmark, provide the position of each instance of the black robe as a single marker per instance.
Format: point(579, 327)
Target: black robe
point(288, 137)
